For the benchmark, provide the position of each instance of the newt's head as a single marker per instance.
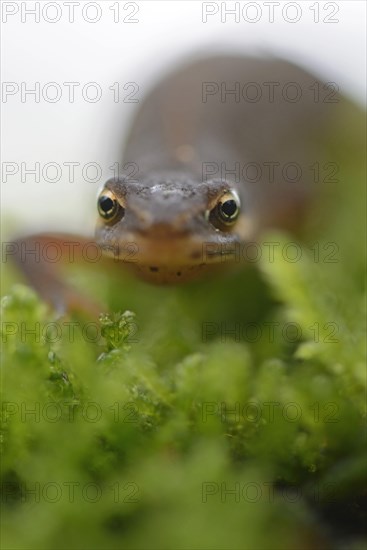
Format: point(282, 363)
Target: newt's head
point(173, 228)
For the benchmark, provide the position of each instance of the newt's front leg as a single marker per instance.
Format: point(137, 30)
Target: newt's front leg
point(41, 257)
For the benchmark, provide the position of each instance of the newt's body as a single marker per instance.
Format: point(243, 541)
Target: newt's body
point(222, 149)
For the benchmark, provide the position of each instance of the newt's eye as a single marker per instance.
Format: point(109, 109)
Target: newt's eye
point(226, 211)
point(108, 207)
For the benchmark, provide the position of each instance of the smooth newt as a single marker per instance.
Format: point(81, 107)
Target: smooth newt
point(223, 148)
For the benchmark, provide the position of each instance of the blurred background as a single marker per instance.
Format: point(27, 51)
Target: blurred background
point(132, 42)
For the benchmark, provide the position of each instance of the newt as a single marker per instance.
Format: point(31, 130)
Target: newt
point(223, 147)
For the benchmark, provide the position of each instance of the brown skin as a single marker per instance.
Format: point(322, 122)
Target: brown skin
point(173, 222)
point(35, 258)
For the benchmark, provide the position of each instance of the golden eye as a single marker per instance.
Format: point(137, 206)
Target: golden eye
point(226, 211)
point(108, 206)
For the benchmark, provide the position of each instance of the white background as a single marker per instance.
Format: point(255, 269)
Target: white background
point(107, 52)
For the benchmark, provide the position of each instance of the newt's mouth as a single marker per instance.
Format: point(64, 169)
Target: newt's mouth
point(171, 248)
point(172, 260)
point(173, 251)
